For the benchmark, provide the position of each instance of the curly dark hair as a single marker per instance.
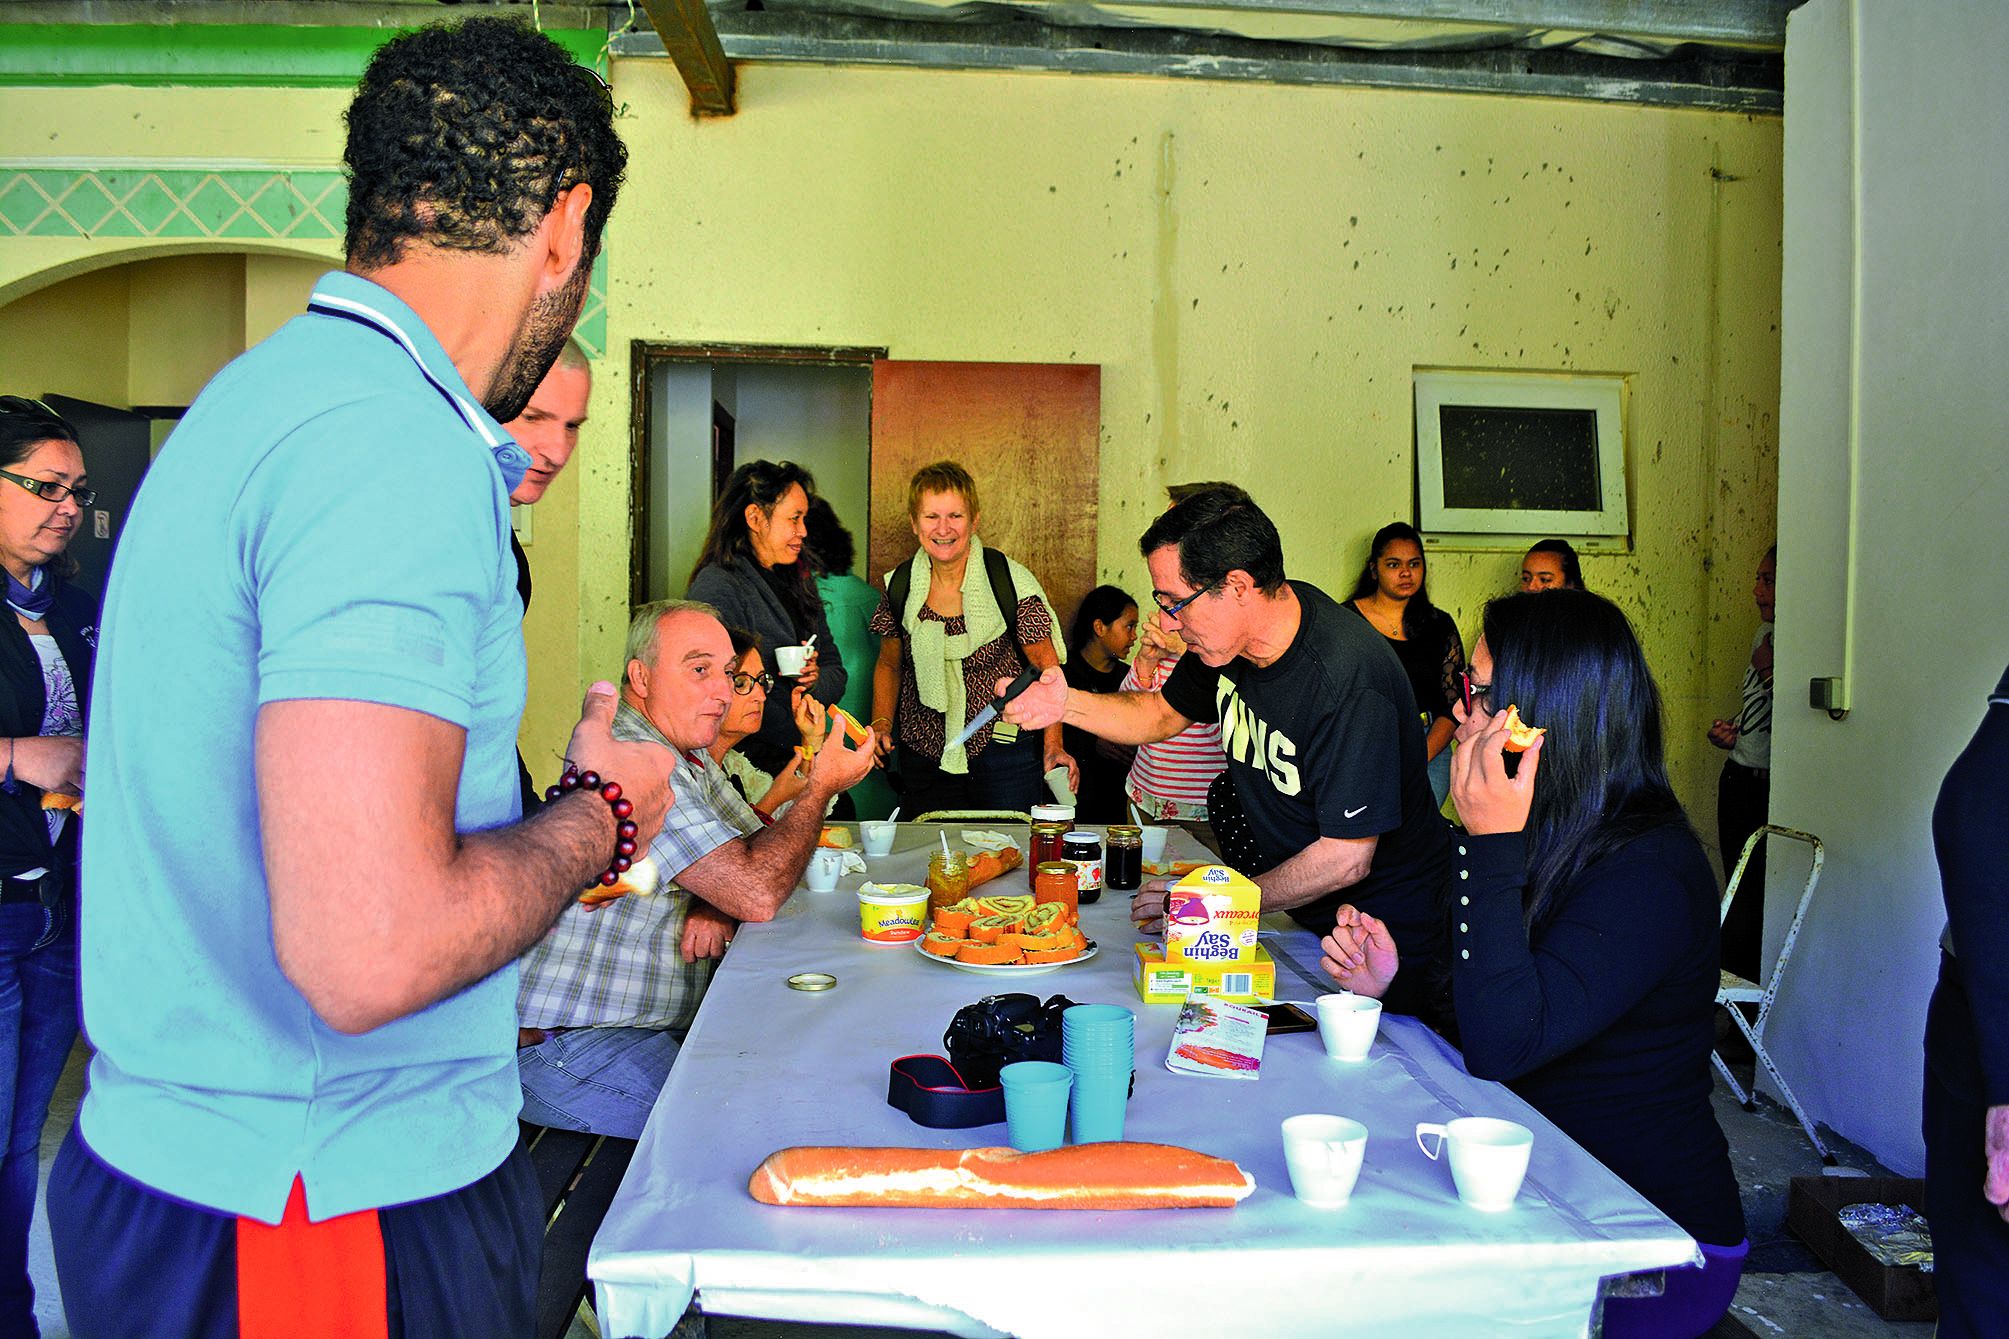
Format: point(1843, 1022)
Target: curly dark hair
point(464, 135)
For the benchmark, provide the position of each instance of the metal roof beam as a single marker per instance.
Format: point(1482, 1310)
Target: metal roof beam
point(684, 28)
point(1754, 85)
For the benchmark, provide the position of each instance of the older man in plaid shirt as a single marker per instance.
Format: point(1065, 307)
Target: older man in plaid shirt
point(607, 996)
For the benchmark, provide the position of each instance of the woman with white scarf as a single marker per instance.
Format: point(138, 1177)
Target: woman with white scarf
point(943, 652)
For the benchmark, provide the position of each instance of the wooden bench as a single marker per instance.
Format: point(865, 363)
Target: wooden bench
point(577, 1174)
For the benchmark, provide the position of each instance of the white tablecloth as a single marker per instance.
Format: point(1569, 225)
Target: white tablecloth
point(766, 1067)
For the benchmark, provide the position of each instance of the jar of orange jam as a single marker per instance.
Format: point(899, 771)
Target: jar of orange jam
point(948, 879)
point(1056, 881)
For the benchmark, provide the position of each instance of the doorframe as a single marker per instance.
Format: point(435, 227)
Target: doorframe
point(645, 356)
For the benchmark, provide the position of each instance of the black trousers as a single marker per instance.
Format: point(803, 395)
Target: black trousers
point(1970, 1242)
point(1003, 776)
point(1743, 799)
point(134, 1262)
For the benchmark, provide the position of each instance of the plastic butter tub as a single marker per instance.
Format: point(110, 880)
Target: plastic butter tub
point(892, 913)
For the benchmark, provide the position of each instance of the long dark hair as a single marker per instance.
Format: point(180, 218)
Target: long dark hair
point(1419, 614)
point(763, 484)
point(1569, 660)
point(1106, 603)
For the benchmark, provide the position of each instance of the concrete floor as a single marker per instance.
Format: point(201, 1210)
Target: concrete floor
point(1786, 1294)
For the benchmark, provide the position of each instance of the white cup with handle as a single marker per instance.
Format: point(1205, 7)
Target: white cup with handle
point(825, 867)
point(1324, 1154)
point(790, 661)
point(1488, 1157)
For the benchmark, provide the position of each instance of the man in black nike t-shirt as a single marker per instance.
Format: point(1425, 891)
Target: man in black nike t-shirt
point(1324, 744)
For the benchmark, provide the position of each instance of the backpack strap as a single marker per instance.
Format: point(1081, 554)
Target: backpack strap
point(1005, 593)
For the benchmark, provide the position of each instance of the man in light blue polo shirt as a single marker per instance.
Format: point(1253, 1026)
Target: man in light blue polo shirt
point(304, 878)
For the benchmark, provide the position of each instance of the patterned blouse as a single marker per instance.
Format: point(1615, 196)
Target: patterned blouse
point(921, 728)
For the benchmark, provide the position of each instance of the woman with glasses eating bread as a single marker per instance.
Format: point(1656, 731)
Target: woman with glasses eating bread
point(46, 650)
point(1583, 927)
point(752, 682)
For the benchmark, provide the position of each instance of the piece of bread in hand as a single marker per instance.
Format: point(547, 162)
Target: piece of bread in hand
point(1520, 735)
point(1082, 1176)
point(61, 799)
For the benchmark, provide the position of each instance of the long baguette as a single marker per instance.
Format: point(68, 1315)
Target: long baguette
point(1084, 1176)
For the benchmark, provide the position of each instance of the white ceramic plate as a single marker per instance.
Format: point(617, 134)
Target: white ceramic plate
point(1007, 968)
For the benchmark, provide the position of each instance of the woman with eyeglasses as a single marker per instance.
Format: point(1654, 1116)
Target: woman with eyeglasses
point(955, 619)
point(1583, 928)
point(1393, 595)
point(46, 651)
point(768, 793)
point(753, 572)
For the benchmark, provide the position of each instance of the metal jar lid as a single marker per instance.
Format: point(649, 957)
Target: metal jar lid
point(812, 981)
point(1123, 834)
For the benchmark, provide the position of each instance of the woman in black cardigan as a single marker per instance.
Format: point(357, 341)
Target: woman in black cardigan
point(46, 648)
point(752, 572)
point(1583, 929)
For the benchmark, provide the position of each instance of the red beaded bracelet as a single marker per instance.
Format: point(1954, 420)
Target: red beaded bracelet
point(625, 830)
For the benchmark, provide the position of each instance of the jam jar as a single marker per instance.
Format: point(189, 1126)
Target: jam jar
point(1083, 850)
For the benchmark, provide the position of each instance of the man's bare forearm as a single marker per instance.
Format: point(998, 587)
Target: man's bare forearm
point(1124, 718)
point(749, 879)
point(480, 908)
point(1326, 866)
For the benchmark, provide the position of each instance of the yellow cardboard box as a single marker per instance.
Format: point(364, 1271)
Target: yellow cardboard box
point(1210, 918)
point(1162, 982)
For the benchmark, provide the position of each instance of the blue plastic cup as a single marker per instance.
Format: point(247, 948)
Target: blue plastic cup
point(1096, 1106)
point(1035, 1094)
point(1098, 1032)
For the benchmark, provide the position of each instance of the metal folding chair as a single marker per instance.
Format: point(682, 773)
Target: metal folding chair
point(975, 816)
point(1733, 990)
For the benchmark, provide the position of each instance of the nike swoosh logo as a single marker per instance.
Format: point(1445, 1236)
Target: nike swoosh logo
point(1361, 810)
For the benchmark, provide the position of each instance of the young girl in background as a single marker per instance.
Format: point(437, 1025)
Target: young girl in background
point(1105, 628)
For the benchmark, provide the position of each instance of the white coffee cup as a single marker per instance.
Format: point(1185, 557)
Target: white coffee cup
point(1347, 1023)
point(1488, 1157)
point(789, 661)
point(1324, 1154)
point(1154, 844)
point(825, 865)
point(878, 836)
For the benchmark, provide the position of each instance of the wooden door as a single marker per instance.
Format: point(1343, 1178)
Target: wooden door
point(1030, 435)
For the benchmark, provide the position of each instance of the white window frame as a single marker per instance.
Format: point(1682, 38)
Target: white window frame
point(1607, 526)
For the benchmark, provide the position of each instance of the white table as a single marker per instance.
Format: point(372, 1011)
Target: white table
point(766, 1067)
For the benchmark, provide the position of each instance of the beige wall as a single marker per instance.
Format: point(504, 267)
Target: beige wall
point(1257, 269)
point(1892, 570)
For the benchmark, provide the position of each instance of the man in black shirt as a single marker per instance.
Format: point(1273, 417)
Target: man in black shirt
point(1324, 746)
point(1966, 1121)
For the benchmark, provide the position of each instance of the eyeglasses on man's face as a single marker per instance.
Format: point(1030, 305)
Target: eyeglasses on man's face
point(743, 683)
point(51, 491)
point(1171, 607)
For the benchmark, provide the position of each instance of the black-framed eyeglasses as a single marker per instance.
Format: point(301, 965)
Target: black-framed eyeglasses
point(1476, 692)
point(742, 682)
point(51, 491)
point(1170, 607)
